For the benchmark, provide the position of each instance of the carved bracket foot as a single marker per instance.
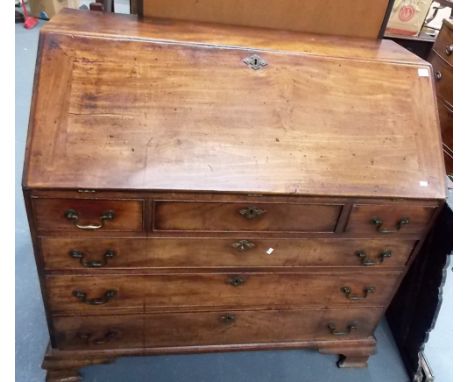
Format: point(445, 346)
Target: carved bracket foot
point(72, 375)
point(352, 361)
point(353, 353)
point(64, 366)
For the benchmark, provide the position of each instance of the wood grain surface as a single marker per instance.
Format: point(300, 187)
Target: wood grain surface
point(50, 214)
point(235, 217)
point(243, 200)
point(186, 117)
point(183, 252)
point(210, 328)
point(141, 294)
point(362, 215)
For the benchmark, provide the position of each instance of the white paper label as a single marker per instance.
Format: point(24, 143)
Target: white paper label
point(269, 251)
point(423, 72)
point(423, 183)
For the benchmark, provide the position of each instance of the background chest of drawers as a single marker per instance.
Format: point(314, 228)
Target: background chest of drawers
point(193, 187)
point(441, 58)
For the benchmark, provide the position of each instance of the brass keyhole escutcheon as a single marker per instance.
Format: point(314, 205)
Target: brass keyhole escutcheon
point(235, 281)
point(255, 62)
point(243, 245)
point(228, 318)
point(251, 212)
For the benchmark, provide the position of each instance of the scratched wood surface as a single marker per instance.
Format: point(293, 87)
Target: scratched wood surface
point(141, 253)
point(209, 328)
point(117, 26)
point(162, 125)
point(149, 115)
point(197, 291)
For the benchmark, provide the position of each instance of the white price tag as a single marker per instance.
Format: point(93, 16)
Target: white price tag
point(423, 72)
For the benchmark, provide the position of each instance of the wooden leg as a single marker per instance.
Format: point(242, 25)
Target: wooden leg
point(72, 375)
point(353, 360)
point(353, 353)
point(64, 366)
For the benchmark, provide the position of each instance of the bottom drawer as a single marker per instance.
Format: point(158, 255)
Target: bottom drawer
point(213, 328)
point(99, 332)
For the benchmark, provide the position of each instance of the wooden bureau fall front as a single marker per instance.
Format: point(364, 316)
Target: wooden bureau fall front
point(194, 187)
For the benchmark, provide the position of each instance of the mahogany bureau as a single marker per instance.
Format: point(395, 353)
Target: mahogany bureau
point(197, 188)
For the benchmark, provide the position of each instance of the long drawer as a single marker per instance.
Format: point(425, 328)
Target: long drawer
point(143, 293)
point(212, 328)
point(119, 253)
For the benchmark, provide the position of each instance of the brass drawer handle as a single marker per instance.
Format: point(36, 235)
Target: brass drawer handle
point(449, 50)
point(368, 262)
point(332, 328)
point(91, 339)
point(347, 291)
point(74, 217)
point(75, 254)
point(251, 212)
point(235, 281)
point(438, 75)
point(398, 226)
point(228, 318)
point(243, 245)
point(83, 297)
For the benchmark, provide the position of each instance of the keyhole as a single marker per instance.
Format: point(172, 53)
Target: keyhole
point(255, 61)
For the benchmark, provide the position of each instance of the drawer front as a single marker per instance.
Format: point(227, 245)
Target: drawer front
point(389, 219)
point(446, 124)
point(443, 78)
point(88, 215)
point(213, 216)
point(138, 293)
point(239, 327)
point(99, 332)
point(444, 44)
point(114, 253)
point(212, 328)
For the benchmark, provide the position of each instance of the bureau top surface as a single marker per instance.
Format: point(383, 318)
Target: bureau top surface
point(121, 103)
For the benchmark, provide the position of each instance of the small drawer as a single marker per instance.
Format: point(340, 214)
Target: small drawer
point(139, 293)
point(265, 217)
point(102, 332)
point(87, 215)
point(114, 253)
point(389, 219)
point(443, 78)
point(444, 44)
